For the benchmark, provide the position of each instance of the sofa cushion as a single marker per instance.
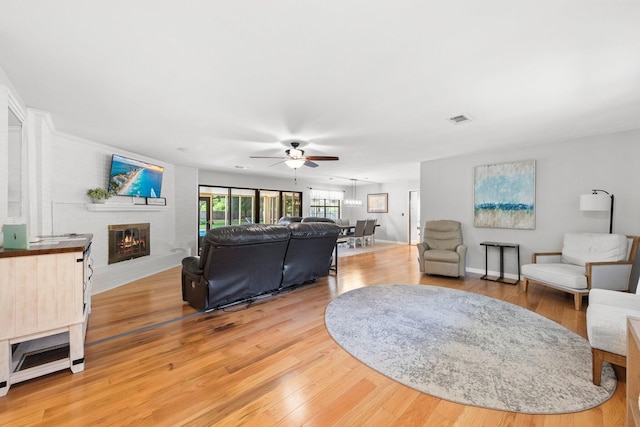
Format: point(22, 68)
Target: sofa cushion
point(567, 275)
point(607, 327)
point(580, 248)
point(307, 230)
point(246, 234)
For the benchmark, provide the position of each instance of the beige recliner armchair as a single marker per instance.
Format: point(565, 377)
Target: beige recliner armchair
point(441, 250)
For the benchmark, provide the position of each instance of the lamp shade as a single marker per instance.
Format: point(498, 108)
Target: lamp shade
point(595, 202)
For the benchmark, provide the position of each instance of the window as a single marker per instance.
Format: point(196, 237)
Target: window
point(325, 203)
point(327, 208)
point(269, 207)
point(220, 206)
point(242, 206)
point(292, 203)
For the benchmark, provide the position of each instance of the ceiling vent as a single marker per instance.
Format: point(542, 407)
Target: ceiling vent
point(462, 118)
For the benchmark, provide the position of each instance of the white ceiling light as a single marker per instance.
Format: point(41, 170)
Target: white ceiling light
point(295, 163)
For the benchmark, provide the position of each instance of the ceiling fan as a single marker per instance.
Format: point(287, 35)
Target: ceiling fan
point(296, 158)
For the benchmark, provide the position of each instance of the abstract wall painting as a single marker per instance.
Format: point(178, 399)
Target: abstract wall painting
point(504, 195)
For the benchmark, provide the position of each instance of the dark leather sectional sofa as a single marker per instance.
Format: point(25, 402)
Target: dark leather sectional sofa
point(244, 262)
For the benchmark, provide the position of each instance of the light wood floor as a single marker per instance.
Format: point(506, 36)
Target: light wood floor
point(272, 364)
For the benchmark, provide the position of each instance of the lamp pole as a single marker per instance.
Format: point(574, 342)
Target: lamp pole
point(611, 210)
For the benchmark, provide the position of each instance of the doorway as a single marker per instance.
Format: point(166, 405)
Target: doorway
point(414, 217)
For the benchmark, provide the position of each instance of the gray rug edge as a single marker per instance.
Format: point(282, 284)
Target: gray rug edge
point(607, 367)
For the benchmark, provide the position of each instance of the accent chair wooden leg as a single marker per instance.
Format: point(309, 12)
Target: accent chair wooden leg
point(525, 283)
point(577, 301)
point(597, 359)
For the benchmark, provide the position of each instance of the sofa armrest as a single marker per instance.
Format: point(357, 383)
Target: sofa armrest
point(422, 248)
point(614, 298)
point(614, 276)
point(190, 265)
point(546, 257)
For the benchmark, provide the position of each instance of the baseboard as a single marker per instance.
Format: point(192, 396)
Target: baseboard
point(111, 276)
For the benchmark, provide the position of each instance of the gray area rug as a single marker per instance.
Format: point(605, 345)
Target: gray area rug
point(468, 348)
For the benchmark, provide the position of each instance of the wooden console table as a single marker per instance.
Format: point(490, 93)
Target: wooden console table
point(501, 246)
point(45, 300)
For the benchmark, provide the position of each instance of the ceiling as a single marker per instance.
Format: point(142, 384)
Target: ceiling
point(210, 83)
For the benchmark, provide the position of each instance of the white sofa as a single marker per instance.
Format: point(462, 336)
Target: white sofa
point(587, 261)
point(607, 326)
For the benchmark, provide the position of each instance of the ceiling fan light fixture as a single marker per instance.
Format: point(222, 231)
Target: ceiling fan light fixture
point(295, 153)
point(295, 163)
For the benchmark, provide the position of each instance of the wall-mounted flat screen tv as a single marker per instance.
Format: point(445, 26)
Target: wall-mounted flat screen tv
point(131, 177)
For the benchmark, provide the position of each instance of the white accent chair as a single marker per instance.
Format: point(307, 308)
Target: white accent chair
point(587, 261)
point(607, 326)
point(441, 250)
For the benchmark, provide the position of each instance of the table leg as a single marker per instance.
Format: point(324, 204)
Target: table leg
point(518, 249)
point(5, 366)
point(486, 262)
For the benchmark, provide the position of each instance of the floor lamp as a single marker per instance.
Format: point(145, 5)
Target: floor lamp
point(598, 202)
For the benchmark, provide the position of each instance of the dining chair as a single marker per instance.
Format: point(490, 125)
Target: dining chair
point(358, 233)
point(369, 231)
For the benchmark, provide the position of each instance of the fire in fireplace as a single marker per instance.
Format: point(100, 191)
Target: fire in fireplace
point(128, 241)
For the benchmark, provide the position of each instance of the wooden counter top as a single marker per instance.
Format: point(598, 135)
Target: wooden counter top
point(51, 245)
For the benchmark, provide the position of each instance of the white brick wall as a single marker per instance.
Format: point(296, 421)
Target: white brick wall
point(79, 165)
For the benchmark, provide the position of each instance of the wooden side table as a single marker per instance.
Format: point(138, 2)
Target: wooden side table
point(501, 246)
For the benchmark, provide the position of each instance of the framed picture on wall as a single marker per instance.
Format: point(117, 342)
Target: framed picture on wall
point(504, 195)
point(378, 203)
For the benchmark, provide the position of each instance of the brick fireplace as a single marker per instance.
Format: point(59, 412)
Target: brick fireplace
point(128, 241)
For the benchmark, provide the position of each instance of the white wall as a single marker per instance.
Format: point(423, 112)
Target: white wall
point(564, 171)
point(80, 164)
point(394, 225)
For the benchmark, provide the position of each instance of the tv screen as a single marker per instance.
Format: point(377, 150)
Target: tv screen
point(131, 177)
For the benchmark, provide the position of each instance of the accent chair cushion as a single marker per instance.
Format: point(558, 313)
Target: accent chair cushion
point(435, 255)
point(443, 234)
point(580, 248)
point(568, 275)
point(607, 327)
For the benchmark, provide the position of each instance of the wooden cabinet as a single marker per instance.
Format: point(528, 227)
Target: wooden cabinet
point(633, 372)
point(45, 301)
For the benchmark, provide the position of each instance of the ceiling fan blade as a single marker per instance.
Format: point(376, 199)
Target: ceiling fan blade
point(276, 163)
point(318, 158)
point(267, 157)
point(310, 164)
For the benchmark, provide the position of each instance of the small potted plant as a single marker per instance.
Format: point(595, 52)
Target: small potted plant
point(99, 195)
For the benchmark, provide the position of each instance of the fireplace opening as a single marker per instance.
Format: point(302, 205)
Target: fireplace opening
point(128, 241)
